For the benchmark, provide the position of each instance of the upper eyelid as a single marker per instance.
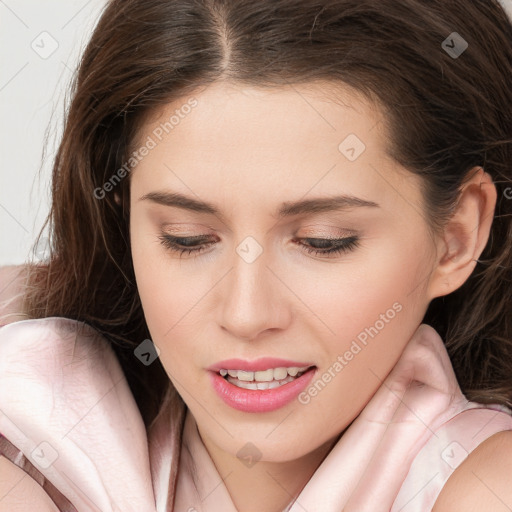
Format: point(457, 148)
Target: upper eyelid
point(317, 223)
point(307, 231)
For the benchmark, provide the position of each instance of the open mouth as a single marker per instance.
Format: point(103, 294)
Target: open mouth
point(261, 380)
point(260, 391)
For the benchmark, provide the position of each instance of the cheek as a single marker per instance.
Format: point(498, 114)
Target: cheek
point(166, 295)
point(170, 295)
point(372, 314)
point(367, 312)
point(354, 294)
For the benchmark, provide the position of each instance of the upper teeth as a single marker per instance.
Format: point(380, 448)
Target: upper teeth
point(265, 375)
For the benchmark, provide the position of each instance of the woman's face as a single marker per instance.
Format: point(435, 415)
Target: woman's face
point(267, 175)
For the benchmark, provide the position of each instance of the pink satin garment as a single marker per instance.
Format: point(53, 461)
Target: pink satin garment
point(65, 404)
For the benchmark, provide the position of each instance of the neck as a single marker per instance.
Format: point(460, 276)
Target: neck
point(266, 486)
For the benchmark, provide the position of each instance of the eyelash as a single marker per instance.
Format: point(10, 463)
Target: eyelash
point(341, 245)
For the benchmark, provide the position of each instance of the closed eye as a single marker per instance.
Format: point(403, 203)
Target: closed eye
point(317, 246)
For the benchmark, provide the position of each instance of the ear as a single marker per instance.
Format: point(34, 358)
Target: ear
point(465, 234)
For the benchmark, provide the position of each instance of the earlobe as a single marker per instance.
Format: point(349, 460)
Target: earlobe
point(465, 235)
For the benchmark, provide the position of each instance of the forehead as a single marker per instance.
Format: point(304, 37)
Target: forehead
point(305, 111)
point(315, 138)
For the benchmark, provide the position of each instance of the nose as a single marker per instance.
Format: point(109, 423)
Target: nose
point(254, 300)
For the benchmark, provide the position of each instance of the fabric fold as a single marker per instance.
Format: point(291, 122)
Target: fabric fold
point(371, 460)
point(66, 405)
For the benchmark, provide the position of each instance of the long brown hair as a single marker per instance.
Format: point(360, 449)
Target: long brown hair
point(446, 113)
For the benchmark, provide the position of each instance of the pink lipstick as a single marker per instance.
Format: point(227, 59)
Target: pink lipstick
point(263, 385)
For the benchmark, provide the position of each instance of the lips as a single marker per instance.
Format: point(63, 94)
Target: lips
point(263, 385)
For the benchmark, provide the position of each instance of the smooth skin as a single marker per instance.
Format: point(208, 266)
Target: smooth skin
point(247, 151)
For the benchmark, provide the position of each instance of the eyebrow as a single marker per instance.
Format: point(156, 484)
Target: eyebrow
point(287, 209)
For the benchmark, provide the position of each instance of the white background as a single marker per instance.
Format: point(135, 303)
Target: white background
point(32, 89)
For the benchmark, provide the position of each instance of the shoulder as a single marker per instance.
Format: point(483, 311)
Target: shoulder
point(482, 483)
point(21, 493)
